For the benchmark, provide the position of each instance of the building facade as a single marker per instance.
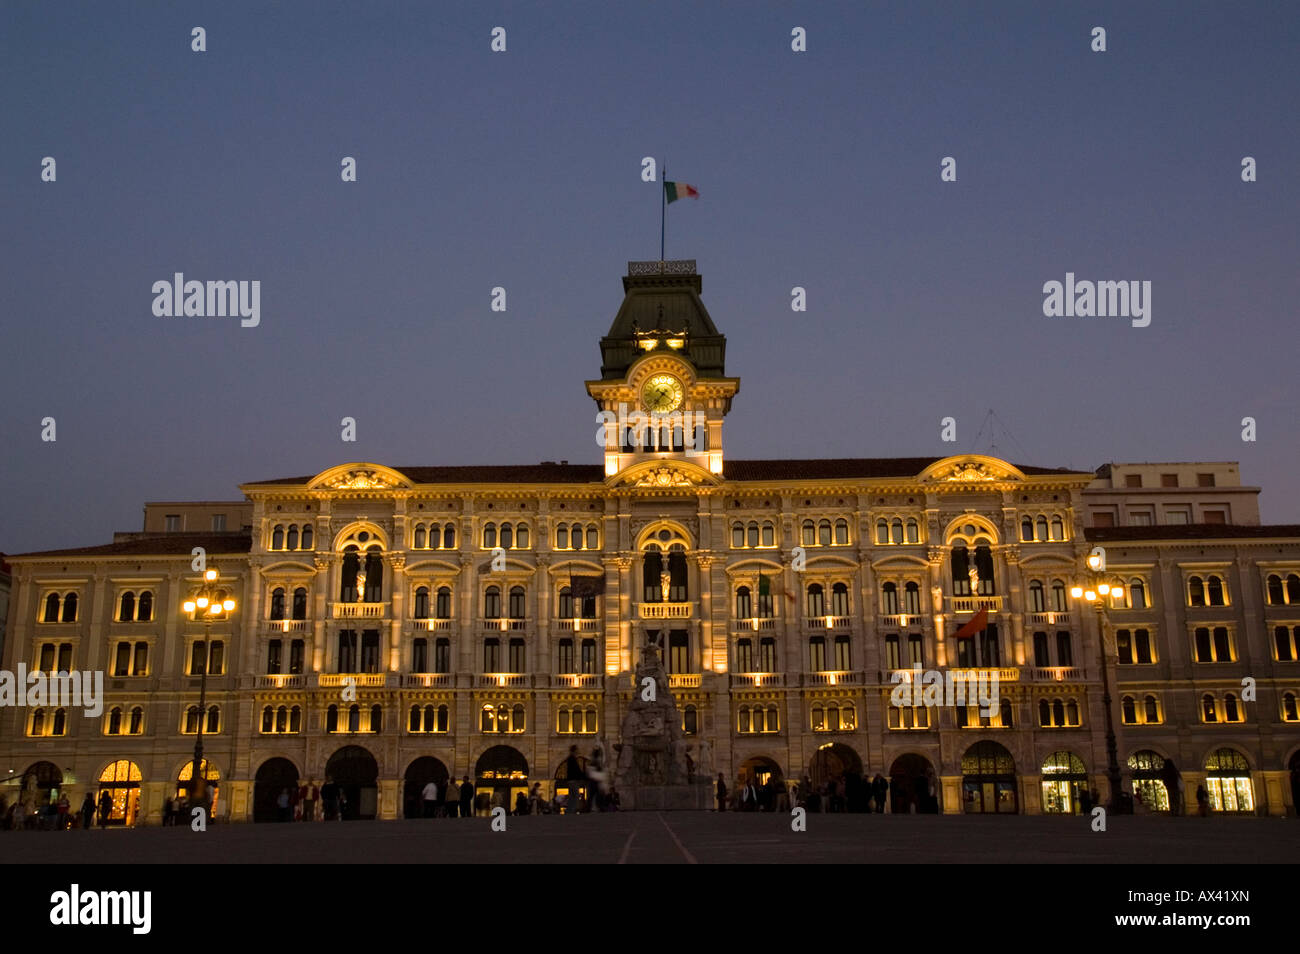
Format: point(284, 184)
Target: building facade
point(397, 624)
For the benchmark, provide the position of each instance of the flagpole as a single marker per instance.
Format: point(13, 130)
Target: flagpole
point(663, 208)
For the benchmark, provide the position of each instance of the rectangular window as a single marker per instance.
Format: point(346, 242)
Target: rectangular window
point(1141, 518)
point(172, 523)
point(122, 660)
point(678, 652)
point(843, 654)
point(817, 654)
point(917, 649)
point(744, 655)
point(1177, 516)
point(420, 655)
point(1103, 518)
point(1041, 658)
point(1142, 643)
point(1123, 647)
point(370, 650)
point(1222, 650)
point(589, 657)
point(517, 656)
point(442, 656)
point(1133, 481)
point(1204, 480)
point(892, 660)
point(767, 654)
point(492, 655)
point(565, 658)
point(273, 657)
point(1064, 656)
point(218, 522)
point(347, 650)
point(1215, 516)
point(966, 653)
point(295, 657)
point(1168, 480)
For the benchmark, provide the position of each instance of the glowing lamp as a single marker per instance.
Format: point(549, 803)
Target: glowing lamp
point(188, 606)
point(1103, 588)
point(210, 575)
point(1090, 596)
point(1076, 591)
point(201, 602)
point(1094, 560)
point(228, 605)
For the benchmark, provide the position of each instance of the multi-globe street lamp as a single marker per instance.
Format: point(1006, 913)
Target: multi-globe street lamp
point(209, 605)
point(1096, 590)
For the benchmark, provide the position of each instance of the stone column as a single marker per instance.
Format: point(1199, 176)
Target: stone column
point(397, 571)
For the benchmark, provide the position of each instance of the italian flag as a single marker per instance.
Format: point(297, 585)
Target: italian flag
point(679, 190)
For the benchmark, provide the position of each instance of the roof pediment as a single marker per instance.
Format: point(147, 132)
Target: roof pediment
point(663, 474)
point(359, 476)
point(969, 469)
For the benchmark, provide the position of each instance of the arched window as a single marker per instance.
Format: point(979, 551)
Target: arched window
point(376, 718)
point(1058, 528)
point(516, 602)
point(1128, 710)
point(492, 603)
point(1195, 591)
point(137, 720)
point(192, 719)
point(419, 537)
point(824, 533)
point(60, 722)
point(1040, 529)
point(277, 537)
point(1037, 600)
point(421, 603)
point(214, 720)
point(292, 540)
point(1215, 591)
point(306, 536)
point(38, 722)
point(1058, 596)
point(913, 531)
point(300, 603)
point(769, 534)
point(277, 603)
point(960, 569)
point(1026, 530)
point(841, 533)
point(809, 533)
point(1058, 712)
point(268, 719)
point(896, 530)
point(69, 609)
point(449, 537)
point(354, 718)
point(575, 534)
point(912, 599)
point(295, 719)
point(889, 597)
point(413, 720)
point(507, 536)
point(1230, 711)
point(743, 606)
point(51, 609)
point(443, 609)
point(115, 721)
point(282, 719)
point(1209, 712)
point(348, 574)
point(1293, 588)
point(521, 536)
point(882, 532)
point(332, 719)
point(1004, 713)
point(593, 538)
point(753, 533)
point(489, 536)
point(1071, 712)
point(839, 600)
point(1289, 710)
point(1152, 710)
point(144, 608)
point(816, 600)
point(126, 610)
point(1137, 594)
point(566, 603)
point(562, 537)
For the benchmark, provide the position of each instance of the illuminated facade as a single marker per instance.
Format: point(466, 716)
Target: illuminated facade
point(395, 624)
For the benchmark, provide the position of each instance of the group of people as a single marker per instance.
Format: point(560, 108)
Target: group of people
point(57, 814)
point(849, 792)
point(447, 800)
point(310, 801)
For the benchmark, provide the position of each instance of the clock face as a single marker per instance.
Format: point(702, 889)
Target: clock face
point(662, 393)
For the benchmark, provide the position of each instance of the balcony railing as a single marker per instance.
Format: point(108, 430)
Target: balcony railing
point(281, 681)
point(369, 680)
point(428, 680)
point(1046, 619)
point(578, 625)
point(684, 680)
point(898, 620)
point(666, 610)
point(500, 680)
point(360, 610)
point(833, 678)
point(973, 604)
point(828, 622)
point(1004, 674)
point(753, 624)
point(1056, 673)
point(573, 680)
point(503, 625)
point(437, 625)
point(741, 680)
point(288, 625)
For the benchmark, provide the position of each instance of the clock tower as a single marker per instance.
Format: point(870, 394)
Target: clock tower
point(662, 391)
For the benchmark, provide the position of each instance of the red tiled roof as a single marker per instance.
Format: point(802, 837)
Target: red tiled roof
point(1192, 531)
point(162, 544)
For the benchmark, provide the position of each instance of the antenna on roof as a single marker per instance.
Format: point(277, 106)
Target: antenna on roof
point(992, 422)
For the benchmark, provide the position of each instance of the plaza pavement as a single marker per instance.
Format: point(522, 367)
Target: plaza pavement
point(683, 838)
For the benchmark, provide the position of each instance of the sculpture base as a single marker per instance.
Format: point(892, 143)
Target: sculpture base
point(689, 797)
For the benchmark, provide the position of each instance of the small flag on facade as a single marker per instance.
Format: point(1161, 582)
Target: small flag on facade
point(977, 623)
point(679, 190)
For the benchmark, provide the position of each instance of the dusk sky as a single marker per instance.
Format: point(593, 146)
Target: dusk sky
point(522, 169)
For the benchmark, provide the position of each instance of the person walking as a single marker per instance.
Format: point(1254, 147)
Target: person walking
point(88, 812)
point(1202, 801)
point(452, 795)
point(63, 807)
point(282, 803)
point(429, 795)
point(466, 798)
point(329, 794)
point(721, 793)
point(310, 800)
point(105, 808)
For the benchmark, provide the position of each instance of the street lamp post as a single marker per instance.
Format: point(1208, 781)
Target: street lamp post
point(209, 605)
point(1096, 591)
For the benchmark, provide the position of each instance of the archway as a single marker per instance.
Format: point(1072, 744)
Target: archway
point(988, 781)
point(355, 772)
point(1294, 765)
point(576, 790)
point(501, 773)
point(832, 764)
point(766, 775)
point(1065, 781)
point(273, 776)
point(1148, 771)
point(420, 773)
point(1227, 779)
point(912, 789)
point(121, 780)
point(211, 781)
point(41, 784)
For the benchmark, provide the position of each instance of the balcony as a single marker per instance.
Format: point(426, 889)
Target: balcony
point(684, 680)
point(574, 680)
point(973, 604)
point(1006, 674)
point(578, 625)
point(428, 680)
point(833, 678)
point(435, 625)
point(757, 680)
point(366, 680)
point(501, 680)
point(828, 622)
point(503, 625)
point(1056, 673)
point(666, 610)
point(898, 620)
point(281, 681)
point(1047, 619)
point(360, 610)
point(288, 625)
point(753, 624)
